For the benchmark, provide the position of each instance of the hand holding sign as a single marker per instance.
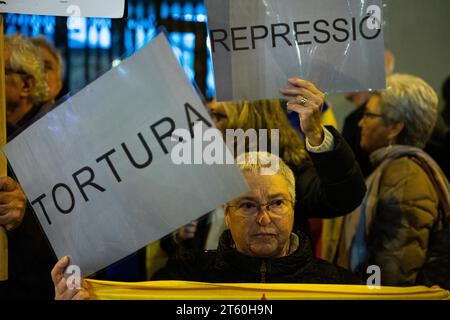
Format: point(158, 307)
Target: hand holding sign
point(12, 203)
point(305, 99)
point(62, 290)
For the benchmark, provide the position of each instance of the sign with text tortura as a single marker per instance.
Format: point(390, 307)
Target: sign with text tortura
point(258, 44)
point(75, 8)
point(98, 169)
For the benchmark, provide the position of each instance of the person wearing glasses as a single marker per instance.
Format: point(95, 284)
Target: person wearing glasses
point(259, 247)
point(25, 82)
point(407, 194)
point(26, 89)
point(330, 183)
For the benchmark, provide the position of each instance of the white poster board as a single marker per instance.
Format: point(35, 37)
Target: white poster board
point(98, 169)
point(258, 44)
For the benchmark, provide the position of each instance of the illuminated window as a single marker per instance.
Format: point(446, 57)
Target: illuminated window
point(140, 28)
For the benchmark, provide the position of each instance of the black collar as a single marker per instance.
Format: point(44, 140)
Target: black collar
point(228, 256)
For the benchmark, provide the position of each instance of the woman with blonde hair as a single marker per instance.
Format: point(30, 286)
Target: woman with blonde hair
point(268, 114)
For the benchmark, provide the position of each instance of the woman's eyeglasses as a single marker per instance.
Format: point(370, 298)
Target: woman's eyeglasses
point(368, 114)
point(276, 207)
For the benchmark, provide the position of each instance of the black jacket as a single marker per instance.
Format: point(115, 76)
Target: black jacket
point(31, 260)
point(352, 134)
point(30, 255)
point(226, 265)
point(331, 186)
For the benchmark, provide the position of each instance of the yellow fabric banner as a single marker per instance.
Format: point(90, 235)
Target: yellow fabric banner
point(182, 290)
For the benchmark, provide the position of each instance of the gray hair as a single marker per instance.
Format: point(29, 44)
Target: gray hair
point(257, 162)
point(42, 42)
point(25, 58)
point(411, 101)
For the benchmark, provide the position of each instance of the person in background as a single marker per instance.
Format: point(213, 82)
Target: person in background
point(25, 82)
point(351, 131)
point(331, 228)
point(53, 67)
point(30, 256)
point(446, 97)
point(438, 146)
point(406, 191)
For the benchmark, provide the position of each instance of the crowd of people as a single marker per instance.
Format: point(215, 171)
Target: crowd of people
point(387, 206)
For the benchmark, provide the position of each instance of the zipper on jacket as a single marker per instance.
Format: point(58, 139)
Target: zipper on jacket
point(263, 271)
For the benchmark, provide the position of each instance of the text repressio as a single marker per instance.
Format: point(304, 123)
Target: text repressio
point(298, 33)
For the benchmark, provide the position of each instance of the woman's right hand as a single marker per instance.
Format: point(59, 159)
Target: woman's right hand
point(65, 290)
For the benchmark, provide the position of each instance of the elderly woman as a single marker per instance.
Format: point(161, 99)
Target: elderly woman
point(329, 181)
point(392, 227)
point(25, 81)
point(26, 90)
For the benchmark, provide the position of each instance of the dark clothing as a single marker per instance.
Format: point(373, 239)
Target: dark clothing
point(31, 260)
point(439, 145)
point(22, 124)
point(30, 255)
point(331, 186)
point(352, 134)
point(226, 265)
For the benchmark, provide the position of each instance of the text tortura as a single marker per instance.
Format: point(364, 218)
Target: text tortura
point(64, 195)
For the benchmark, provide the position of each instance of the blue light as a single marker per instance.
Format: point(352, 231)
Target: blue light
point(164, 10)
point(188, 12)
point(175, 39)
point(140, 10)
point(140, 37)
point(175, 11)
point(200, 12)
point(210, 82)
point(189, 40)
point(188, 57)
point(151, 33)
point(93, 36)
point(105, 38)
point(77, 32)
point(151, 13)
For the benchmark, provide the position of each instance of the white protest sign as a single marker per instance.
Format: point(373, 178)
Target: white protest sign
point(258, 44)
point(75, 8)
point(98, 169)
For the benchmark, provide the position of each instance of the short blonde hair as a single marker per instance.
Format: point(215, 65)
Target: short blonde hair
point(255, 162)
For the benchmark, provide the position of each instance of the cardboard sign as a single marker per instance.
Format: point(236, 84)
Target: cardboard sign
point(99, 172)
point(258, 44)
point(74, 8)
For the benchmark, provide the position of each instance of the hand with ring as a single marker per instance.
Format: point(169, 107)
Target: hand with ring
point(305, 99)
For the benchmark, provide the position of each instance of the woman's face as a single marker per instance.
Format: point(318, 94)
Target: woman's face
point(374, 131)
point(218, 115)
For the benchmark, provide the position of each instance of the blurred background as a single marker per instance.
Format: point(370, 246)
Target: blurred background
point(416, 31)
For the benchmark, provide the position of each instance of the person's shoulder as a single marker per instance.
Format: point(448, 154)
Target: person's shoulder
point(407, 173)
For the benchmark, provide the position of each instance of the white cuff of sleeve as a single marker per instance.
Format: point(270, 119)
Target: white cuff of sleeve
point(326, 146)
